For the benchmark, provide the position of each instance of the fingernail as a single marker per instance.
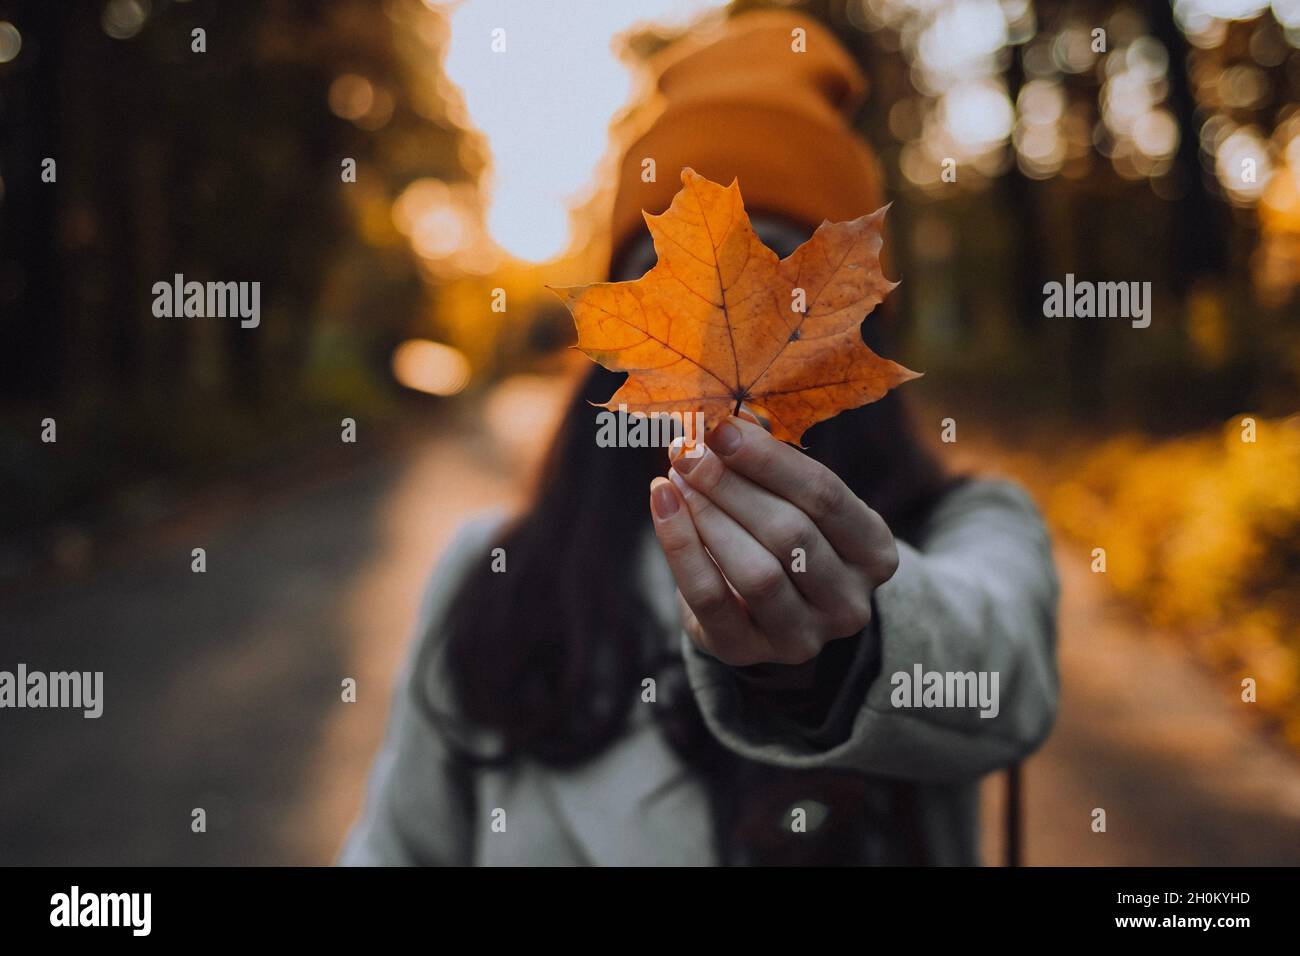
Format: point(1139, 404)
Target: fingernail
point(684, 490)
point(663, 499)
point(747, 414)
point(725, 439)
point(687, 459)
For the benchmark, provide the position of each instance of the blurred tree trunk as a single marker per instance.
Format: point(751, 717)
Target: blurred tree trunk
point(33, 329)
point(1028, 267)
point(1200, 231)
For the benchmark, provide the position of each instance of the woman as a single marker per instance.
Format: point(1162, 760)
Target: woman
point(661, 687)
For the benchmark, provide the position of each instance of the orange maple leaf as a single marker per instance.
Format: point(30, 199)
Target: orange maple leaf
point(715, 322)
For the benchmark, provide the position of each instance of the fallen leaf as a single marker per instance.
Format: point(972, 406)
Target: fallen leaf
point(715, 322)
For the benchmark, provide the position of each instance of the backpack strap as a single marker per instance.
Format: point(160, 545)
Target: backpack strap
point(1012, 847)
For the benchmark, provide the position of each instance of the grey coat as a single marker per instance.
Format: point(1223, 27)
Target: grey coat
point(978, 593)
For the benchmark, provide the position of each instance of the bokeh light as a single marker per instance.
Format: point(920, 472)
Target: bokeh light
point(123, 19)
point(1243, 164)
point(443, 223)
point(430, 367)
point(11, 41)
point(1141, 135)
point(957, 53)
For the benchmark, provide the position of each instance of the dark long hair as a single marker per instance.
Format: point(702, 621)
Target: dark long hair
point(552, 654)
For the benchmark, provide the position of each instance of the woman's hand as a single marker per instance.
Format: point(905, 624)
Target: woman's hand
point(752, 507)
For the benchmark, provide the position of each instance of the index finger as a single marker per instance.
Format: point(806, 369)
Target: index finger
point(858, 534)
point(726, 631)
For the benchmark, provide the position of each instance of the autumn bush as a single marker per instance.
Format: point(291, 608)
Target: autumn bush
point(1203, 533)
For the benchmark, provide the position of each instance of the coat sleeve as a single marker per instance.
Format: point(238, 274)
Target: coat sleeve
point(978, 594)
point(418, 807)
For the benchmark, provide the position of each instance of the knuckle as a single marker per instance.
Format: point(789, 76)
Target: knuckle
point(890, 565)
point(851, 617)
point(863, 612)
point(823, 493)
point(764, 582)
point(885, 564)
point(715, 477)
point(707, 473)
point(755, 456)
point(709, 601)
point(790, 531)
point(700, 505)
point(674, 540)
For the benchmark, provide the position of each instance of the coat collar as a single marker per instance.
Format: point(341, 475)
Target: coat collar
point(635, 805)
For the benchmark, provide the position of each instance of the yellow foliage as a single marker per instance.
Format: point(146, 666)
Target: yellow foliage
point(1203, 533)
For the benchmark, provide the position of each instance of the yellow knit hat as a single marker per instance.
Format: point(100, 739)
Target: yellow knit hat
point(745, 104)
